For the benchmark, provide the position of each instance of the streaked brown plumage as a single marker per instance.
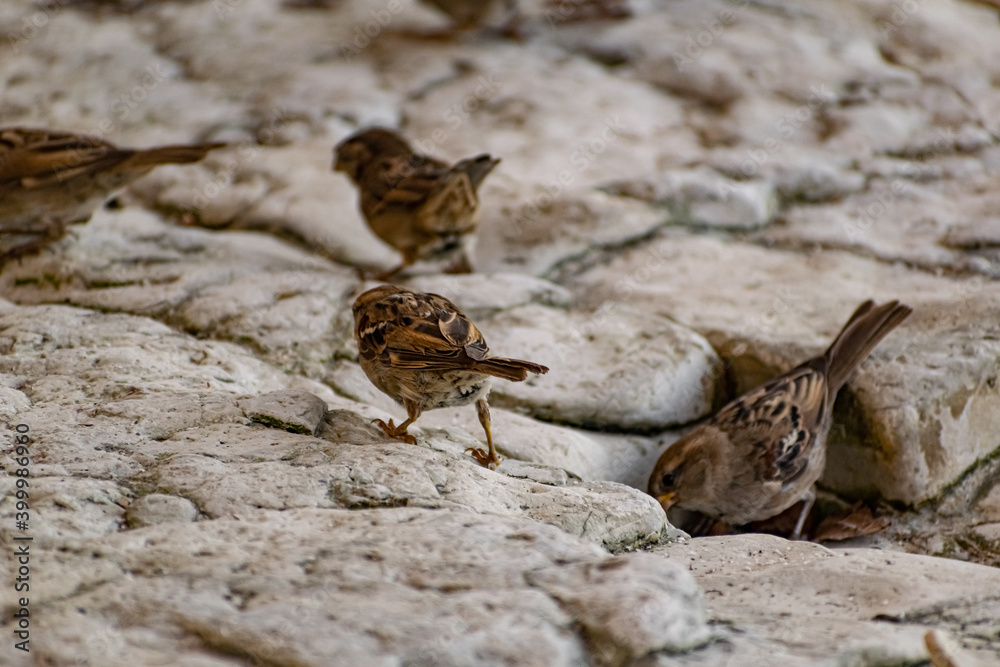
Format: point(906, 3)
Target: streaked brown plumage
point(424, 353)
point(51, 179)
point(421, 206)
point(762, 453)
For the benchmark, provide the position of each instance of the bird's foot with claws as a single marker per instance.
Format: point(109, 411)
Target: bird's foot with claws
point(393, 431)
point(484, 458)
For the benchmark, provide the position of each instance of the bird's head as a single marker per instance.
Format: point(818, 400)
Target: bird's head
point(681, 475)
point(353, 154)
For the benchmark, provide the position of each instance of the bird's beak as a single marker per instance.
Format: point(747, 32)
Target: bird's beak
point(667, 500)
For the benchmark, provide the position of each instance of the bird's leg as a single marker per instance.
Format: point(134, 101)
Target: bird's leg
point(399, 432)
point(409, 257)
point(460, 265)
point(486, 459)
point(809, 498)
point(387, 276)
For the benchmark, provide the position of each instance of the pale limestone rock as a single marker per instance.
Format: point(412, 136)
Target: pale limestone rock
point(904, 427)
point(234, 471)
point(613, 367)
point(62, 508)
point(797, 603)
point(705, 198)
point(480, 295)
point(294, 411)
point(159, 508)
point(441, 587)
point(655, 608)
point(865, 129)
point(515, 435)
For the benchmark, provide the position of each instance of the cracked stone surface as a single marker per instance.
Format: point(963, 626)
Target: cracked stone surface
point(789, 603)
point(689, 202)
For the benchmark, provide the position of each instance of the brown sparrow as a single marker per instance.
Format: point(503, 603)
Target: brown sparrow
point(417, 204)
point(424, 353)
point(762, 453)
point(51, 179)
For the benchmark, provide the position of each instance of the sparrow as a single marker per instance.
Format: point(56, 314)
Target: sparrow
point(419, 205)
point(423, 352)
point(762, 453)
point(51, 179)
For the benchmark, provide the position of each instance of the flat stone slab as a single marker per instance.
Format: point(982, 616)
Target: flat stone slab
point(374, 586)
point(293, 411)
point(612, 368)
point(797, 603)
point(915, 416)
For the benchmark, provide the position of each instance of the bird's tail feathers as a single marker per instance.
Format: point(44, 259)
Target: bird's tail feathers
point(478, 168)
point(179, 154)
point(863, 331)
point(514, 370)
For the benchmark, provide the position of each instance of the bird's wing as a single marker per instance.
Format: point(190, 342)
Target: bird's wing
point(779, 421)
point(401, 182)
point(420, 332)
point(32, 158)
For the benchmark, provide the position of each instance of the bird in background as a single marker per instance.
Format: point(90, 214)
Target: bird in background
point(762, 453)
point(421, 206)
point(420, 350)
point(51, 179)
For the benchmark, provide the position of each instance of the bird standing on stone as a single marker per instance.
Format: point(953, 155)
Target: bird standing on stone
point(423, 352)
point(421, 206)
point(50, 179)
point(762, 453)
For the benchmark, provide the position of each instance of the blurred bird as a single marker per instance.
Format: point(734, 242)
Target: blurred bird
point(762, 453)
point(424, 353)
point(50, 179)
point(421, 206)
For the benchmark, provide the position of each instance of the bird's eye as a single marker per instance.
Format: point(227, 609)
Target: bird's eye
point(668, 480)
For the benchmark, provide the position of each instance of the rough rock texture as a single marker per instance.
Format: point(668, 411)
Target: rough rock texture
point(629, 370)
point(688, 202)
point(920, 412)
point(294, 411)
point(794, 603)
